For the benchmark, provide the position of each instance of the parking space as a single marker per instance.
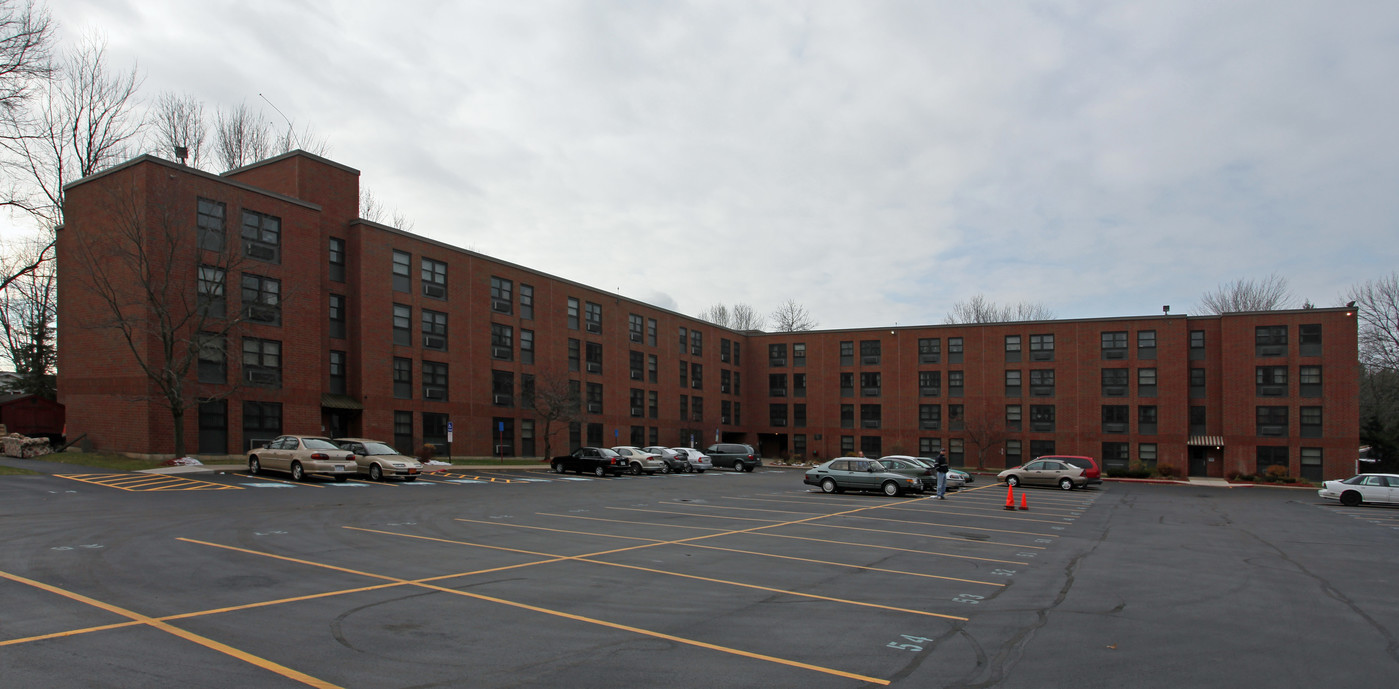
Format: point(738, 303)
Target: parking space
point(694, 583)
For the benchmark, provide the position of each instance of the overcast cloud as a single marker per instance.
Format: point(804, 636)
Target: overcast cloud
point(875, 161)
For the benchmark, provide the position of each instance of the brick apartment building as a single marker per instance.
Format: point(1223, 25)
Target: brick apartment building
point(314, 320)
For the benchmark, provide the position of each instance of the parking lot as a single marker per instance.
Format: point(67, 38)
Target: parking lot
point(510, 578)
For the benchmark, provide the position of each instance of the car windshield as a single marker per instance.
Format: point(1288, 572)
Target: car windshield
point(318, 444)
point(378, 449)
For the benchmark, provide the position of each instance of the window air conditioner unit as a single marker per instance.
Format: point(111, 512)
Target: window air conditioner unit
point(1272, 390)
point(868, 423)
point(869, 360)
point(594, 327)
point(262, 377)
point(500, 306)
point(1041, 426)
point(435, 291)
point(594, 367)
point(594, 408)
point(636, 411)
point(1272, 430)
point(1042, 356)
point(500, 352)
point(262, 313)
point(636, 375)
point(1272, 350)
point(261, 252)
point(502, 400)
point(1115, 391)
point(1114, 354)
point(434, 342)
point(434, 394)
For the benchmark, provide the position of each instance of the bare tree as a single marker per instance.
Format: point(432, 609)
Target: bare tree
point(177, 121)
point(979, 309)
point(986, 435)
point(554, 400)
point(371, 209)
point(1377, 309)
point(1268, 294)
point(791, 317)
point(241, 136)
point(746, 317)
point(28, 309)
point(26, 37)
point(139, 272)
point(717, 314)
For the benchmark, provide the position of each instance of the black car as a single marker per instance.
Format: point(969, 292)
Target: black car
point(598, 461)
point(736, 456)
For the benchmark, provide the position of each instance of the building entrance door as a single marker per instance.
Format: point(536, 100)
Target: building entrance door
point(1199, 461)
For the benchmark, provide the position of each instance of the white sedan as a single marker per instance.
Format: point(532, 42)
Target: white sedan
point(1381, 488)
point(640, 460)
point(699, 461)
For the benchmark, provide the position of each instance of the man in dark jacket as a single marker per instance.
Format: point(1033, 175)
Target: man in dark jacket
point(941, 467)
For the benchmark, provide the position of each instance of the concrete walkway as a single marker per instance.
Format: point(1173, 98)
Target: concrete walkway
point(1205, 481)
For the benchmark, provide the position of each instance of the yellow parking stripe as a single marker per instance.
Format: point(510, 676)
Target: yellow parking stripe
point(146, 482)
point(181, 633)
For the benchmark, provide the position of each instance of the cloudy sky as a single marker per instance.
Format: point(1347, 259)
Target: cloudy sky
point(875, 161)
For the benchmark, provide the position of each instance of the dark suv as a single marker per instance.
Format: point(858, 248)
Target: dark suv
point(734, 455)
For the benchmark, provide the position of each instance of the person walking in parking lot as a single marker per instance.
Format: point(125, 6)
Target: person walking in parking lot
point(941, 467)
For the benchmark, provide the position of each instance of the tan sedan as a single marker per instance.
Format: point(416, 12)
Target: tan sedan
point(379, 461)
point(302, 456)
point(1045, 472)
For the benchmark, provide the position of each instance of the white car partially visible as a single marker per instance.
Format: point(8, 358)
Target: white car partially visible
point(699, 461)
point(1377, 488)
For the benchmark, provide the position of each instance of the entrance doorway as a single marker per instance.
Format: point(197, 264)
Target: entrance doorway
point(1199, 461)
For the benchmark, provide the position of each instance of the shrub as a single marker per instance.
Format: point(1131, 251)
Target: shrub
point(1233, 476)
point(1166, 470)
point(1276, 472)
point(427, 452)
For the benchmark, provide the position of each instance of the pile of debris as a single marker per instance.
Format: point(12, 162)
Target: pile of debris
point(16, 445)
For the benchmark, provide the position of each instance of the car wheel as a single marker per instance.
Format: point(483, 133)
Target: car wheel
point(297, 473)
point(1066, 483)
point(410, 479)
point(1350, 498)
point(699, 471)
point(558, 467)
point(1012, 481)
point(829, 486)
point(738, 466)
point(376, 473)
point(635, 469)
point(665, 469)
point(891, 489)
point(254, 466)
point(341, 478)
point(600, 471)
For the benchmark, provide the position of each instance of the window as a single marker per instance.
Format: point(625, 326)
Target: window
point(1272, 421)
point(592, 317)
point(527, 447)
point(929, 417)
point(435, 330)
point(636, 365)
point(847, 385)
point(638, 402)
point(402, 325)
point(653, 369)
point(337, 316)
point(502, 432)
point(572, 314)
point(697, 377)
point(956, 452)
point(799, 385)
point(847, 444)
point(262, 421)
point(1309, 381)
point(955, 383)
point(262, 299)
point(1013, 418)
point(929, 383)
point(210, 291)
point(929, 350)
point(1041, 348)
point(1012, 348)
point(526, 346)
point(954, 350)
point(684, 374)
point(502, 342)
point(736, 363)
point(434, 277)
point(1197, 383)
point(869, 352)
point(799, 415)
point(777, 355)
point(799, 445)
point(262, 236)
point(1042, 382)
point(696, 343)
point(213, 358)
point(1146, 382)
point(635, 330)
point(651, 335)
point(1309, 339)
point(209, 220)
point(502, 296)
point(213, 427)
point(526, 391)
point(724, 349)
point(527, 313)
point(1309, 422)
point(929, 447)
point(738, 387)
point(402, 271)
point(777, 384)
point(435, 429)
point(653, 404)
point(1146, 344)
point(1312, 465)
point(847, 416)
point(337, 259)
point(575, 354)
point(847, 353)
point(402, 378)
point(592, 357)
point(799, 354)
point(1013, 453)
point(871, 416)
point(262, 362)
point(871, 446)
point(594, 398)
point(725, 412)
point(1267, 456)
point(1042, 417)
point(1146, 454)
point(777, 415)
point(684, 340)
point(684, 407)
point(1198, 416)
point(1146, 419)
point(1271, 381)
point(697, 409)
point(337, 372)
point(1114, 382)
point(1270, 340)
point(502, 388)
point(1115, 418)
point(956, 417)
point(1197, 345)
point(1114, 345)
point(870, 384)
point(434, 381)
point(1116, 457)
point(1040, 448)
point(1012, 383)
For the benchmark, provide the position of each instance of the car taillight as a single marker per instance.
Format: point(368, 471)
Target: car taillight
point(349, 458)
point(319, 455)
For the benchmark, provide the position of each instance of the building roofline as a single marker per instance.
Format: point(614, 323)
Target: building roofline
point(148, 158)
point(289, 154)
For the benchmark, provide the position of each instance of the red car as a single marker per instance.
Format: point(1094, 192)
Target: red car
point(1090, 467)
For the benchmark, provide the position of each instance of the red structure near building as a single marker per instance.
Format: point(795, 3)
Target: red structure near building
point(314, 320)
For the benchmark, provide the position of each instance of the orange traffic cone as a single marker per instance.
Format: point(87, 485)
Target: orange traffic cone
point(1010, 497)
point(1023, 504)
